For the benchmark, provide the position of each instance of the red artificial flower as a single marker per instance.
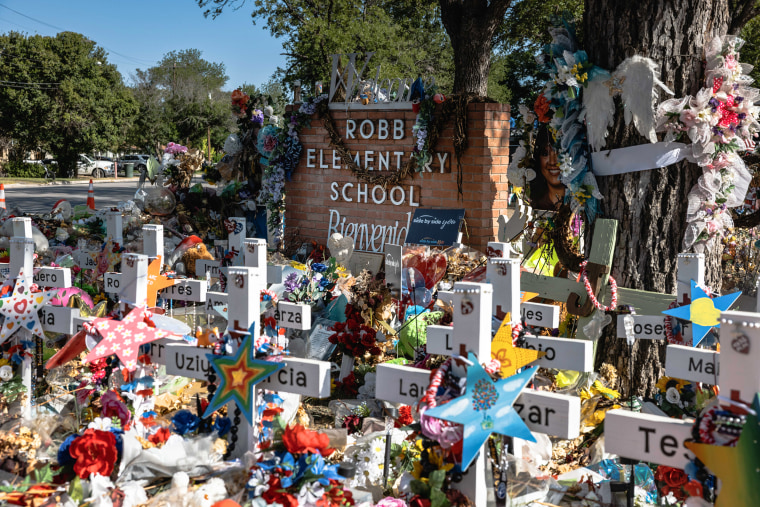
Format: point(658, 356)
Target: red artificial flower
point(693, 488)
point(161, 436)
point(240, 100)
point(673, 477)
point(541, 107)
point(368, 340)
point(336, 496)
point(276, 494)
point(95, 453)
point(298, 440)
point(404, 416)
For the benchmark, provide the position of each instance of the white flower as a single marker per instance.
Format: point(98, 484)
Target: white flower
point(134, 494)
point(268, 111)
point(259, 482)
point(310, 494)
point(100, 491)
point(100, 423)
point(673, 396)
point(208, 494)
point(6, 373)
point(232, 144)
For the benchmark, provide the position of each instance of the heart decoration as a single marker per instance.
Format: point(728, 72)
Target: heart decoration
point(233, 226)
point(20, 307)
point(740, 344)
point(432, 267)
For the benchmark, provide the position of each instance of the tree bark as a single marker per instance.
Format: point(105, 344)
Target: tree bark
point(650, 205)
point(471, 25)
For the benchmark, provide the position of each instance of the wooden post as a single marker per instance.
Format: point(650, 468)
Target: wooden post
point(153, 241)
point(244, 286)
point(255, 252)
point(114, 227)
point(504, 275)
point(134, 280)
point(235, 239)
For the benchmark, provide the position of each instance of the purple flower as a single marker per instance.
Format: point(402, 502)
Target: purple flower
point(291, 282)
point(257, 117)
point(738, 100)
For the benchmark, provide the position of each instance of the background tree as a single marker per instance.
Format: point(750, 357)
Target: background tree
point(405, 35)
point(650, 206)
point(60, 94)
point(181, 99)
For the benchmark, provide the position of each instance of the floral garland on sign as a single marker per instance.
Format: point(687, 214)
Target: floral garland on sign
point(281, 149)
point(720, 121)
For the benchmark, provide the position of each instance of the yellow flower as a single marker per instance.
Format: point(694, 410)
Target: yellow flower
point(297, 265)
point(662, 384)
point(4, 362)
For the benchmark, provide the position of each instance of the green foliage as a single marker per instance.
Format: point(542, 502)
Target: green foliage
point(750, 52)
point(179, 99)
point(18, 169)
point(515, 76)
point(68, 99)
point(406, 36)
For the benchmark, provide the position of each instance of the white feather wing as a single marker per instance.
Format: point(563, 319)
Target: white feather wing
point(639, 76)
point(599, 110)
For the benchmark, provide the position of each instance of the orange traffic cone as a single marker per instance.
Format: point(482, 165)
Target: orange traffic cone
point(2, 196)
point(91, 197)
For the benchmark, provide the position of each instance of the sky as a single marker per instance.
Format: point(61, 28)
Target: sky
point(138, 33)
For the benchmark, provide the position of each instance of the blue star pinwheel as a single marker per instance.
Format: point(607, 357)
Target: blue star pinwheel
point(485, 408)
point(238, 376)
point(703, 312)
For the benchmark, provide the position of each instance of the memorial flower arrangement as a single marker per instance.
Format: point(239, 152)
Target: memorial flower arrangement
point(314, 284)
point(353, 337)
point(295, 473)
point(719, 122)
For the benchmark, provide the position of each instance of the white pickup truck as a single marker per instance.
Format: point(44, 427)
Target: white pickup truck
point(88, 166)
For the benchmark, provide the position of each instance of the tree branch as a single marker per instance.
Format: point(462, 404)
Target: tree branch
point(747, 9)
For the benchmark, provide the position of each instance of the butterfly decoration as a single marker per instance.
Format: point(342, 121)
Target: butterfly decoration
point(63, 297)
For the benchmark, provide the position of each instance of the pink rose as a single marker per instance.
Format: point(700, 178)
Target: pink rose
point(688, 117)
point(269, 143)
point(112, 406)
point(730, 62)
point(389, 501)
point(714, 226)
point(721, 161)
point(444, 433)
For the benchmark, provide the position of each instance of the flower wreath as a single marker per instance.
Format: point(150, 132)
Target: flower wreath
point(720, 121)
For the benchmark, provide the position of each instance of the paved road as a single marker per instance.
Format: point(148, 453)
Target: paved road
point(40, 198)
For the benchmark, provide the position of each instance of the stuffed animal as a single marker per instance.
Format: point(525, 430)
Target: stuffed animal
point(195, 252)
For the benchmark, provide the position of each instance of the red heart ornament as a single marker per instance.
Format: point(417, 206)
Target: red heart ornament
point(432, 267)
point(22, 304)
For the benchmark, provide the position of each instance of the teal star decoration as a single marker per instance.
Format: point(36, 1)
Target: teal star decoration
point(485, 408)
point(703, 312)
point(238, 376)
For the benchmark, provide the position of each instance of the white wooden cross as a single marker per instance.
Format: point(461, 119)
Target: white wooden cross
point(114, 227)
point(660, 439)
point(473, 303)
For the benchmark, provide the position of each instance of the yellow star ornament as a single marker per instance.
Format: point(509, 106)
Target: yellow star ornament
point(511, 357)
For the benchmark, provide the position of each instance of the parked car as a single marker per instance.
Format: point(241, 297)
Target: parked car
point(102, 157)
point(88, 166)
point(140, 161)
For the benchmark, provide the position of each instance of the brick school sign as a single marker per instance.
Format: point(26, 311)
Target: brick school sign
point(325, 197)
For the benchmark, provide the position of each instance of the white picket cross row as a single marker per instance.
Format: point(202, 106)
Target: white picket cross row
point(134, 280)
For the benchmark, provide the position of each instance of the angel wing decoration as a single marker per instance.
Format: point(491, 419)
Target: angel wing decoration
point(599, 110)
point(639, 94)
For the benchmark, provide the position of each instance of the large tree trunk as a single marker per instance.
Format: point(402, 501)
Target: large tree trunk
point(471, 25)
point(650, 205)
